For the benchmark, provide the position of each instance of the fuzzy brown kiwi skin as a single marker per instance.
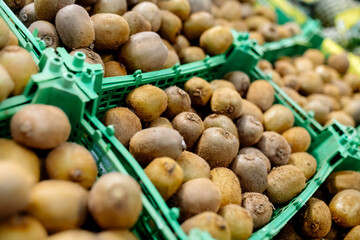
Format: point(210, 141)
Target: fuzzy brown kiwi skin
point(259, 206)
point(91, 56)
point(27, 15)
point(240, 80)
point(190, 126)
point(178, 101)
point(137, 23)
point(48, 9)
point(46, 32)
point(15, 5)
point(256, 152)
point(222, 121)
point(226, 101)
point(199, 91)
point(342, 180)
point(250, 130)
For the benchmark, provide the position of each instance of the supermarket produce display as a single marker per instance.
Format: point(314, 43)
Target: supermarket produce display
point(175, 119)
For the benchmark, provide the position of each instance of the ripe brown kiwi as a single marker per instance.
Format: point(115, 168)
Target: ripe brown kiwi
point(180, 8)
point(278, 118)
point(47, 9)
point(310, 83)
point(303, 64)
point(218, 147)
point(292, 81)
point(46, 32)
point(171, 26)
point(353, 234)
point(262, 94)
point(275, 147)
point(147, 101)
point(250, 130)
point(196, 24)
point(109, 39)
point(177, 101)
point(118, 7)
point(180, 43)
point(228, 184)
point(149, 143)
point(221, 121)
point(342, 117)
point(239, 25)
point(255, 22)
point(353, 80)
point(151, 13)
point(339, 62)
point(257, 153)
point(145, 51)
point(298, 138)
point(86, 3)
point(284, 183)
point(193, 166)
point(339, 181)
point(166, 175)
point(7, 85)
point(114, 68)
point(345, 208)
point(171, 60)
point(294, 95)
point(200, 5)
point(73, 234)
point(305, 162)
point(264, 64)
point(269, 32)
point(315, 56)
point(221, 83)
point(190, 126)
point(226, 101)
point(160, 122)
point(257, 36)
point(137, 23)
point(116, 235)
point(216, 40)
point(320, 110)
point(91, 56)
point(251, 109)
point(27, 15)
point(293, 28)
point(192, 200)
point(230, 10)
point(240, 80)
point(332, 90)
point(5, 33)
point(15, 5)
point(266, 12)
point(199, 90)
point(191, 54)
point(353, 109)
point(288, 233)
point(285, 68)
point(259, 206)
point(74, 32)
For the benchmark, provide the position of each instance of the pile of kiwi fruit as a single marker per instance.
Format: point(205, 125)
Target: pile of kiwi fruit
point(220, 150)
point(50, 189)
point(127, 35)
point(333, 213)
point(16, 64)
point(321, 85)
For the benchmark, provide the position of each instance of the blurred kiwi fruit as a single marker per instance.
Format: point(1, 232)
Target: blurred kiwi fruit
point(221, 121)
point(137, 23)
point(298, 138)
point(191, 54)
point(257, 153)
point(196, 24)
point(342, 180)
point(114, 68)
point(46, 32)
point(118, 7)
point(262, 94)
point(216, 40)
point(226, 101)
point(199, 90)
point(259, 206)
point(27, 15)
point(193, 166)
point(305, 162)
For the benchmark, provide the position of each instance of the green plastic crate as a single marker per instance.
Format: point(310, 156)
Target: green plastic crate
point(62, 91)
point(243, 56)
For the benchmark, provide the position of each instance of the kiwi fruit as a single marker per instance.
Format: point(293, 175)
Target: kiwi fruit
point(106, 39)
point(327, 73)
point(256, 153)
point(26, 158)
point(7, 85)
point(196, 24)
point(172, 60)
point(48, 9)
point(266, 12)
point(283, 32)
point(147, 101)
point(72, 162)
point(193, 166)
point(342, 117)
point(85, 3)
point(22, 227)
point(178, 101)
point(32, 126)
point(59, 205)
point(250, 130)
point(293, 28)
point(269, 32)
point(240, 80)
point(171, 26)
point(353, 80)
point(294, 95)
point(251, 172)
point(15, 5)
point(259, 207)
point(239, 220)
point(221, 121)
point(180, 8)
point(113, 69)
point(305, 162)
point(190, 126)
point(160, 122)
point(315, 56)
point(310, 83)
point(230, 10)
point(73, 234)
point(168, 45)
point(284, 183)
point(74, 32)
point(228, 184)
point(292, 81)
point(13, 41)
point(262, 94)
point(5, 33)
point(91, 56)
point(191, 54)
point(275, 77)
point(116, 235)
point(339, 181)
point(344, 88)
point(46, 32)
point(199, 90)
point(192, 199)
point(15, 184)
point(151, 13)
point(239, 25)
point(298, 138)
point(340, 62)
point(264, 65)
point(115, 201)
point(149, 143)
point(216, 40)
point(303, 64)
point(220, 83)
point(166, 175)
point(226, 101)
point(136, 22)
point(320, 110)
point(257, 36)
point(332, 90)
point(218, 147)
point(345, 208)
point(118, 7)
point(250, 109)
point(353, 234)
point(27, 15)
point(285, 68)
point(278, 118)
point(181, 42)
point(125, 123)
point(210, 222)
point(254, 23)
point(288, 233)
point(20, 66)
point(353, 109)
point(200, 5)
point(145, 51)
point(328, 101)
